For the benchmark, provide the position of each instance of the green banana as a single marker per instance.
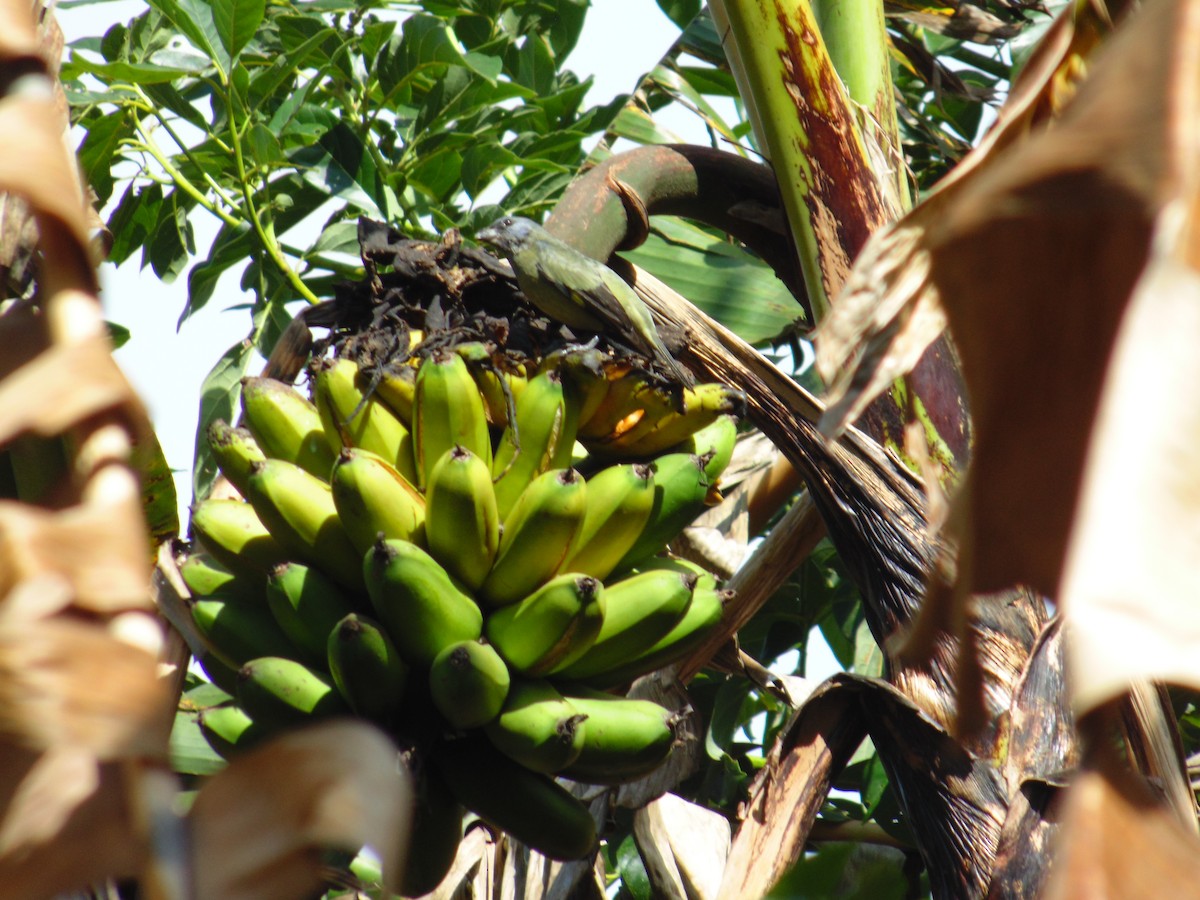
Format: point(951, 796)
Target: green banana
point(447, 410)
point(542, 438)
point(396, 388)
point(462, 524)
point(665, 424)
point(204, 575)
point(352, 419)
point(678, 564)
point(285, 424)
point(219, 672)
point(620, 500)
point(500, 386)
point(235, 451)
point(373, 498)
point(278, 692)
point(537, 727)
point(434, 837)
point(421, 608)
point(488, 381)
point(307, 606)
point(298, 508)
point(682, 490)
point(585, 372)
point(638, 610)
point(469, 683)
point(229, 730)
point(703, 613)
point(367, 669)
point(714, 443)
point(239, 629)
point(552, 627)
point(236, 537)
point(508, 796)
point(623, 739)
point(537, 535)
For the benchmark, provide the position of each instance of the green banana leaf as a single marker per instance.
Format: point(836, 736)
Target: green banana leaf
point(721, 278)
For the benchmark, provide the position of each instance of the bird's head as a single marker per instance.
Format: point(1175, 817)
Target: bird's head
point(508, 235)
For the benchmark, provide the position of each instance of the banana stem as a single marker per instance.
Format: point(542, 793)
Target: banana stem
point(808, 127)
point(266, 234)
point(856, 36)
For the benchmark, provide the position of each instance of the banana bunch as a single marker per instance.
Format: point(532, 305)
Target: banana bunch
point(468, 555)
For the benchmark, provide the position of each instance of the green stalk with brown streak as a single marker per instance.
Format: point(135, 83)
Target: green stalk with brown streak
point(856, 37)
point(807, 125)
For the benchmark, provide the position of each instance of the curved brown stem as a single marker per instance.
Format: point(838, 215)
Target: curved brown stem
point(721, 189)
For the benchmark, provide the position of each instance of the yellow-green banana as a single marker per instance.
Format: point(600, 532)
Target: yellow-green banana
point(469, 683)
point(682, 490)
point(367, 669)
point(666, 424)
point(537, 727)
point(421, 608)
point(447, 410)
point(619, 410)
point(620, 500)
point(702, 615)
point(586, 373)
point(235, 450)
point(638, 610)
point(352, 419)
point(373, 498)
point(307, 605)
point(229, 730)
point(537, 535)
point(552, 627)
point(541, 439)
point(397, 388)
point(285, 424)
point(623, 739)
point(500, 384)
point(462, 524)
point(204, 575)
point(434, 837)
point(239, 629)
point(714, 443)
point(278, 692)
point(528, 805)
point(236, 537)
point(298, 508)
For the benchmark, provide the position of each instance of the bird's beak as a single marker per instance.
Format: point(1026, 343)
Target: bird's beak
point(490, 236)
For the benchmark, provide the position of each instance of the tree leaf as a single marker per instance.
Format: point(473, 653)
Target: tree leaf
point(190, 753)
point(219, 395)
point(236, 21)
point(681, 12)
point(99, 147)
point(194, 19)
point(632, 870)
point(132, 73)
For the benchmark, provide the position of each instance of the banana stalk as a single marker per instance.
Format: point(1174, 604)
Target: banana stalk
point(808, 128)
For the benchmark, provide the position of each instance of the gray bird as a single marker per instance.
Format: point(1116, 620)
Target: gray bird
point(575, 289)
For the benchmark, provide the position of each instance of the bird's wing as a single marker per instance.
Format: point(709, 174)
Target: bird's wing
point(586, 282)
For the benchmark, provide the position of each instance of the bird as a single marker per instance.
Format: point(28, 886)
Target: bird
point(576, 290)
